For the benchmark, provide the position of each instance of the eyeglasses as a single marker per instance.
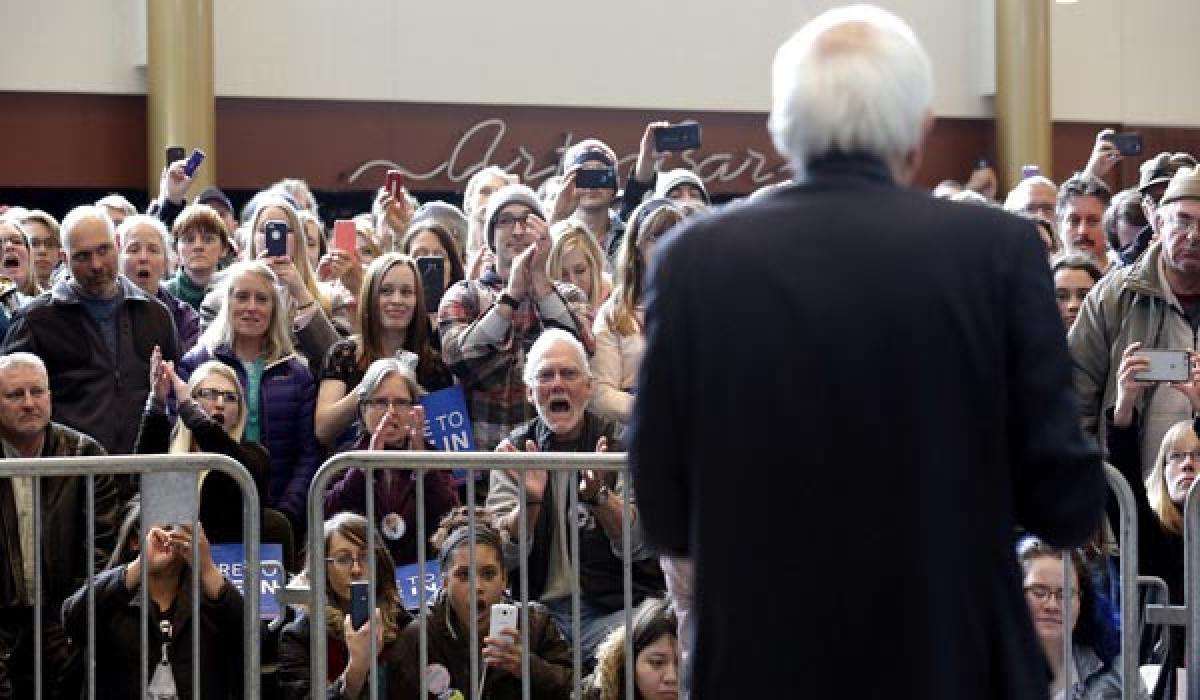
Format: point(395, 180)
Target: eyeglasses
point(567, 374)
point(383, 404)
point(1186, 223)
point(1177, 457)
point(346, 560)
point(1043, 594)
point(214, 394)
point(507, 222)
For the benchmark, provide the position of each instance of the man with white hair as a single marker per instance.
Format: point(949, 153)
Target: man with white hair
point(780, 453)
point(560, 385)
point(95, 331)
point(1035, 196)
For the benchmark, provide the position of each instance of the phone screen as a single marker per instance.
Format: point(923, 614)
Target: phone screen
point(175, 153)
point(603, 179)
point(677, 137)
point(433, 275)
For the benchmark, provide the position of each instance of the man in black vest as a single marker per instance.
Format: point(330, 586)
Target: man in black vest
point(560, 385)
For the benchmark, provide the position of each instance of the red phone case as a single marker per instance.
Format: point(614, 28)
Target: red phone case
point(345, 236)
point(395, 181)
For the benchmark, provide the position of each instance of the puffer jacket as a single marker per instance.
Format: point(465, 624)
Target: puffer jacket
point(288, 396)
point(550, 659)
point(1130, 304)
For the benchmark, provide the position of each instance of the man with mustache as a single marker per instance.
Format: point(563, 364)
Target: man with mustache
point(560, 386)
point(95, 332)
point(1155, 302)
point(1082, 200)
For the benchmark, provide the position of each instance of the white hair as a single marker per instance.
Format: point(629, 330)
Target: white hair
point(853, 80)
point(22, 359)
point(117, 201)
point(549, 337)
point(477, 179)
point(1018, 196)
point(83, 213)
point(136, 220)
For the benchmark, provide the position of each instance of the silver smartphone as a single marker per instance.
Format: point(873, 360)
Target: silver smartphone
point(1165, 366)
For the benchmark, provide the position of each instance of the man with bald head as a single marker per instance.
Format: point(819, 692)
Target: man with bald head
point(95, 331)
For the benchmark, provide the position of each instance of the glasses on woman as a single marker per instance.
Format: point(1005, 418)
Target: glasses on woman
point(383, 403)
point(214, 394)
point(346, 560)
point(1042, 593)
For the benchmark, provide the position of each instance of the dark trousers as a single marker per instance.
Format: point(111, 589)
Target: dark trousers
point(62, 665)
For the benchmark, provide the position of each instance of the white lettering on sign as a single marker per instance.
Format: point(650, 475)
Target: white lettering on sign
point(489, 134)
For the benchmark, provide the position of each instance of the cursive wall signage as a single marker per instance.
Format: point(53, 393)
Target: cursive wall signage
point(486, 138)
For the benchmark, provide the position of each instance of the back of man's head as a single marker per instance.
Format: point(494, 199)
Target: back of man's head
point(853, 80)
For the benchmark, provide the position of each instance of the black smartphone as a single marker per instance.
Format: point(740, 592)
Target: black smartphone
point(360, 604)
point(1128, 143)
point(276, 233)
point(981, 163)
point(602, 179)
point(684, 136)
point(433, 273)
point(175, 153)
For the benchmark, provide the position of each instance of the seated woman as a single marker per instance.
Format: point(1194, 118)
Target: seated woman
point(1094, 669)
point(575, 258)
point(393, 420)
point(391, 314)
point(349, 650)
point(1161, 495)
point(168, 554)
point(449, 626)
point(620, 339)
point(656, 657)
point(250, 335)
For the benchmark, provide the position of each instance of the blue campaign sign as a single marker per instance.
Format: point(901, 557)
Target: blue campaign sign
point(407, 578)
point(230, 561)
point(448, 425)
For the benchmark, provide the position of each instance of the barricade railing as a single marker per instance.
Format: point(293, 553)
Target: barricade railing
point(1127, 541)
point(471, 462)
point(91, 467)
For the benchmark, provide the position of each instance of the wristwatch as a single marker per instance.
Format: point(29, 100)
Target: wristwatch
point(508, 300)
point(601, 497)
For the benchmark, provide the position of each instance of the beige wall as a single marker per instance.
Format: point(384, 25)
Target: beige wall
point(705, 55)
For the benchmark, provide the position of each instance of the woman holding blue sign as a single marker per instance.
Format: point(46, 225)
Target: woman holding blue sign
point(392, 318)
point(392, 418)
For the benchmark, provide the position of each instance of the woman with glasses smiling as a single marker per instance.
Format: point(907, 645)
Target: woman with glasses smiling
point(1094, 670)
point(349, 650)
point(392, 419)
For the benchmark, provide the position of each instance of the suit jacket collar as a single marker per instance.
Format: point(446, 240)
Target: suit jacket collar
point(841, 166)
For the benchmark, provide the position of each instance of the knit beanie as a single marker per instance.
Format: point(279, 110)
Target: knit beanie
point(509, 194)
point(679, 176)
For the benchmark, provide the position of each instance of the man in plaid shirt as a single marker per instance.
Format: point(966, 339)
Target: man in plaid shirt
point(488, 325)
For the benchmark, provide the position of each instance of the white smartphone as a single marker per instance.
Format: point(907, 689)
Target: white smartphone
point(1165, 366)
point(503, 615)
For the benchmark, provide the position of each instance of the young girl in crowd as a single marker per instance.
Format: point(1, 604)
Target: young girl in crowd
point(575, 258)
point(349, 649)
point(449, 625)
point(391, 314)
point(656, 657)
point(618, 326)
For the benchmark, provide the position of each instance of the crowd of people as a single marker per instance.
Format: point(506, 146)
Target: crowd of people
point(187, 329)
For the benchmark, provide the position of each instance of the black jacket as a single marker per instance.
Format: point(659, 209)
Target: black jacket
point(118, 638)
point(601, 577)
point(851, 394)
point(94, 391)
point(295, 678)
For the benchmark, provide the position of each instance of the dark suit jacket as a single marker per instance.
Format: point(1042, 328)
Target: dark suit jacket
point(851, 393)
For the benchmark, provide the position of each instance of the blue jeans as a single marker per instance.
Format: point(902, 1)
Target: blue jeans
point(594, 625)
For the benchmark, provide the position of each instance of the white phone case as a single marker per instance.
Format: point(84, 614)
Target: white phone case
point(503, 615)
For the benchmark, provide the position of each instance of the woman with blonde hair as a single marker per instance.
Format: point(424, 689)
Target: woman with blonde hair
point(618, 327)
point(250, 334)
point(391, 319)
point(349, 650)
point(575, 258)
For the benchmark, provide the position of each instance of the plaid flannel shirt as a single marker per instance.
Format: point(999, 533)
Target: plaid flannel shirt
point(487, 353)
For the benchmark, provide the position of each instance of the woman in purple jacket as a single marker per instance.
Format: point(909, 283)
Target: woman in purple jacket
point(392, 419)
point(251, 336)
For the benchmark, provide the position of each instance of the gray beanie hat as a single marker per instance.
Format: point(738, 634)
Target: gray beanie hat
point(509, 194)
point(679, 176)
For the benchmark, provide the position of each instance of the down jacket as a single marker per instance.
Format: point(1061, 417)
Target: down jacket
point(288, 396)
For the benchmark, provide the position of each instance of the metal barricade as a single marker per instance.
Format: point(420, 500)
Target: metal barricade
point(421, 463)
point(90, 467)
point(1127, 540)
